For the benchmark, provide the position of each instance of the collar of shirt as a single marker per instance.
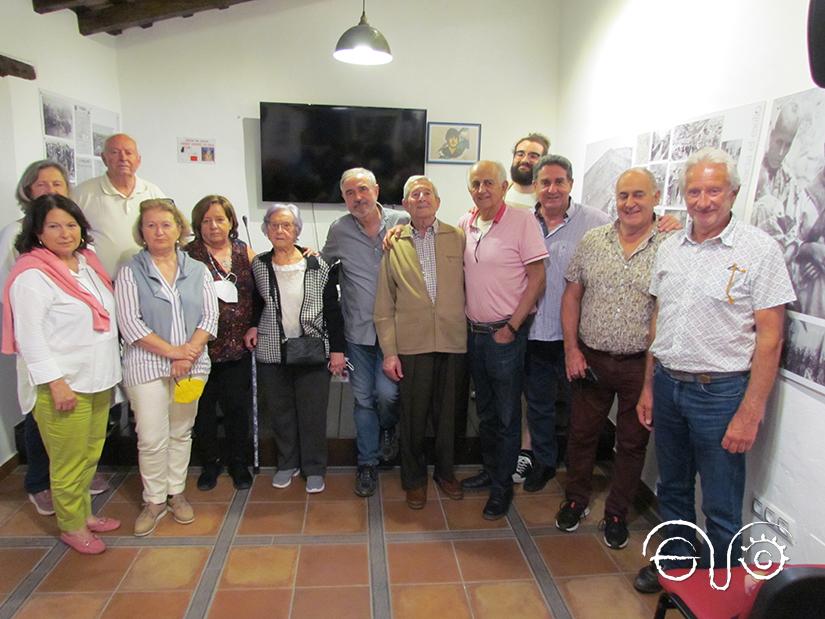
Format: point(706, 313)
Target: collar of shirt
point(431, 230)
point(570, 213)
point(383, 221)
point(475, 213)
point(725, 237)
point(612, 232)
point(109, 189)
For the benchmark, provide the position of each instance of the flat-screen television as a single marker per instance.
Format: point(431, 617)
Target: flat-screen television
point(305, 148)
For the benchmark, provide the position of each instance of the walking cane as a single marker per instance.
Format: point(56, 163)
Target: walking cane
point(256, 463)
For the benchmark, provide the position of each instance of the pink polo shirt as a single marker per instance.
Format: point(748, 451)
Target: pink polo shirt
point(495, 277)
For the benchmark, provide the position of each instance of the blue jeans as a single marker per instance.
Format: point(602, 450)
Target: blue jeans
point(497, 371)
point(376, 399)
point(690, 420)
point(543, 371)
point(37, 471)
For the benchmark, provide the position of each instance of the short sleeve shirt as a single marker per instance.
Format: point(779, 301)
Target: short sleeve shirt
point(708, 293)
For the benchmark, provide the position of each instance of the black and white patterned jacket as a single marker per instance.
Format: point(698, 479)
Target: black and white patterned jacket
point(320, 314)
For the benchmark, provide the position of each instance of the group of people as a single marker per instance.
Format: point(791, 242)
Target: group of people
point(527, 292)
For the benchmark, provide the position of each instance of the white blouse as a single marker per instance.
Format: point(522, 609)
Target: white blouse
point(54, 334)
point(291, 294)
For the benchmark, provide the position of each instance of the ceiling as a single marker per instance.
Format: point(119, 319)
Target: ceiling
point(115, 16)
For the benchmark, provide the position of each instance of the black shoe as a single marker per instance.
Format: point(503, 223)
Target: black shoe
point(241, 478)
point(647, 580)
point(209, 476)
point(538, 477)
point(497, 505)
point(366, 480)
point(615, 531)
point(478, 482)
point(569, 516)
point(388, 447)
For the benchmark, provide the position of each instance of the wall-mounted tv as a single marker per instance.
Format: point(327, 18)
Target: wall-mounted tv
point(305, 148)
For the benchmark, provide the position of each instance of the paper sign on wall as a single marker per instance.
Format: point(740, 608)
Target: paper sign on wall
point(196, 150)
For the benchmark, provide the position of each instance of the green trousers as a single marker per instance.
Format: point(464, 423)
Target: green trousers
point(73, 440)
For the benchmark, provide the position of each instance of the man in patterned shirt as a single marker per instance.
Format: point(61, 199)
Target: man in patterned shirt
point(605, 315)
point(721, 287)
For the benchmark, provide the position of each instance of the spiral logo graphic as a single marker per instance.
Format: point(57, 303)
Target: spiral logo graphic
point(763, 557)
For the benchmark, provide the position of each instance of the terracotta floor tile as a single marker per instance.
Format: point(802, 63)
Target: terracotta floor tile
point(251, 604)
point(339, 487)
point(126, 513)
point(224, 492)
point(422, 562)
point(63, 605)
point(398, 517)
point(575, 555)
point(155, 604)
point(208, 520)
point(7, 508)
point(429, 602)
point(595, 597)
point(507, 600)
point(597, 512)
point(262, 490)
point(26, 522)
point(77, 572)
point(496, 559)
point(391, 489)
point(538, 510)
point(466, 514)
point(554, 487)
point(166, 568)
point(338, 602)
point(320, 565)
point(11, 488)
point(15, 565)
point(629, 558)
point(129, 491)
point(260, 566)
point(272, 519)
point(324, 518)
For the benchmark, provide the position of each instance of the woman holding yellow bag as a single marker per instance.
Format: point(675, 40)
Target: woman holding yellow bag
point(167, 310)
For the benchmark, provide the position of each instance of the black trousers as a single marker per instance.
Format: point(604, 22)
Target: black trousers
point(230, 385)
point(296, 396)
point(429, 389)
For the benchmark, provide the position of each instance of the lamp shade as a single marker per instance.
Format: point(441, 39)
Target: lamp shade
point(363, 44)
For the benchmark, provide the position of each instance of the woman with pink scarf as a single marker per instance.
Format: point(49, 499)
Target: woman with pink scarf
point(59, 315)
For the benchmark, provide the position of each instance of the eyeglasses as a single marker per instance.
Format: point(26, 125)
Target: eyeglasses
point(150, 201)
point(276, 225)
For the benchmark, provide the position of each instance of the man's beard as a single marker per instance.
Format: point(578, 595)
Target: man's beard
point(521, 177)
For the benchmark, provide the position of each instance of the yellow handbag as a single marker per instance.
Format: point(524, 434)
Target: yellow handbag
point(188, 389)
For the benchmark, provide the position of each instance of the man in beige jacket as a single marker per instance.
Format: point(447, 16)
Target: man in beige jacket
point(419, 318)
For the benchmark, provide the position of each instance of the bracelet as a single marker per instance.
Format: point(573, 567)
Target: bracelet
point(513, 330)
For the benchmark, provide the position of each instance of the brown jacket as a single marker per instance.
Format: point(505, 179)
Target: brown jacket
point(406, 321)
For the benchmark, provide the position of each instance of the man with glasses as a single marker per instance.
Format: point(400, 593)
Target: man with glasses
point(355, 239)
point(110, 202)
point(721, 287)
point(527, 151)
point(504, 276)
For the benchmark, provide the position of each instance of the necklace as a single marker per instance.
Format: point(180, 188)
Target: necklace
point(224, 260)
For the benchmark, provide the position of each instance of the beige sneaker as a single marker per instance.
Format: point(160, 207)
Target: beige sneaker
point(148, 519)
point(182, 511)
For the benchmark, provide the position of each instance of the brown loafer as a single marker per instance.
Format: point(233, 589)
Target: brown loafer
point(417, 498)
point(450, 487)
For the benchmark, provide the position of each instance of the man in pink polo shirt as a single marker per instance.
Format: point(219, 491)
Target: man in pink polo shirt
point(503, 276)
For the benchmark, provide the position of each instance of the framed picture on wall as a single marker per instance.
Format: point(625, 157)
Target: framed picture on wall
point(453, 143)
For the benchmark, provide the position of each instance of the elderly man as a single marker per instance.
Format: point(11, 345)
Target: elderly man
point(606, 311)
point(721, 286)
point(563, 224)
point(504, 275)
point(355, 239)
point(110, 202)
point(527, 151)
point(419, 317)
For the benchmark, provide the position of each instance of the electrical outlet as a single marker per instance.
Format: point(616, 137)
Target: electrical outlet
point(785, 524)
point(758, 507)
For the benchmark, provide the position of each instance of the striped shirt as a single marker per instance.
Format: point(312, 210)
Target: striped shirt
point(425, 248)
point(139, 365)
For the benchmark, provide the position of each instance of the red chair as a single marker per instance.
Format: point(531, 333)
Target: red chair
point(797, 592)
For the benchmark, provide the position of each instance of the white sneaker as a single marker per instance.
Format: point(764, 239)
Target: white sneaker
point(283, 478)
point(523, 467)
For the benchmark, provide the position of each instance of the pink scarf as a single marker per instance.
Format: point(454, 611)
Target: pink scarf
point(45, 261)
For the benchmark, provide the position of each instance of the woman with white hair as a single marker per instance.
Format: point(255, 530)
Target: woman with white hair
point(300, 329)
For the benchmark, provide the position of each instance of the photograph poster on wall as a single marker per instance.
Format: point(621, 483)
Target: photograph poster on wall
point(453, 143)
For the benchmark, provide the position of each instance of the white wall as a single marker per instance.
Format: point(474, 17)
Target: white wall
point(628, 66)
point(82, 68)
point(205, 78)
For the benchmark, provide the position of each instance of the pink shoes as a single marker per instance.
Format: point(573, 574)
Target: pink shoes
point(104, 525)
point(90, 546)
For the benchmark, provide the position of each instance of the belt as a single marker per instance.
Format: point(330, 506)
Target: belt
point(613, 355)
point(486, 327)
point(703, 378)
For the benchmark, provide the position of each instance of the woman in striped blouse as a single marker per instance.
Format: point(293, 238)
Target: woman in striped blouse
point(167, 311)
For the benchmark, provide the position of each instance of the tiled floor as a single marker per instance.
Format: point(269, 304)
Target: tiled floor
point(282, 553)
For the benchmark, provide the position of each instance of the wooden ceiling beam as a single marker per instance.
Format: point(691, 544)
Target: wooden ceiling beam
point(129, 15)
point(16, 68)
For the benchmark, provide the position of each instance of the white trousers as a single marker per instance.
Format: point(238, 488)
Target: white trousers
point(164, 433)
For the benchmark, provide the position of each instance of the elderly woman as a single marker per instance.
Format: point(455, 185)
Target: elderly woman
point(301, 323)
point(58, 315)
point(167, 311)
point(228, 260)
point(39, 179)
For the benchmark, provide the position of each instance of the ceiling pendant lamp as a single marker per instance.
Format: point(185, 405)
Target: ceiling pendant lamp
point(363, 44)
